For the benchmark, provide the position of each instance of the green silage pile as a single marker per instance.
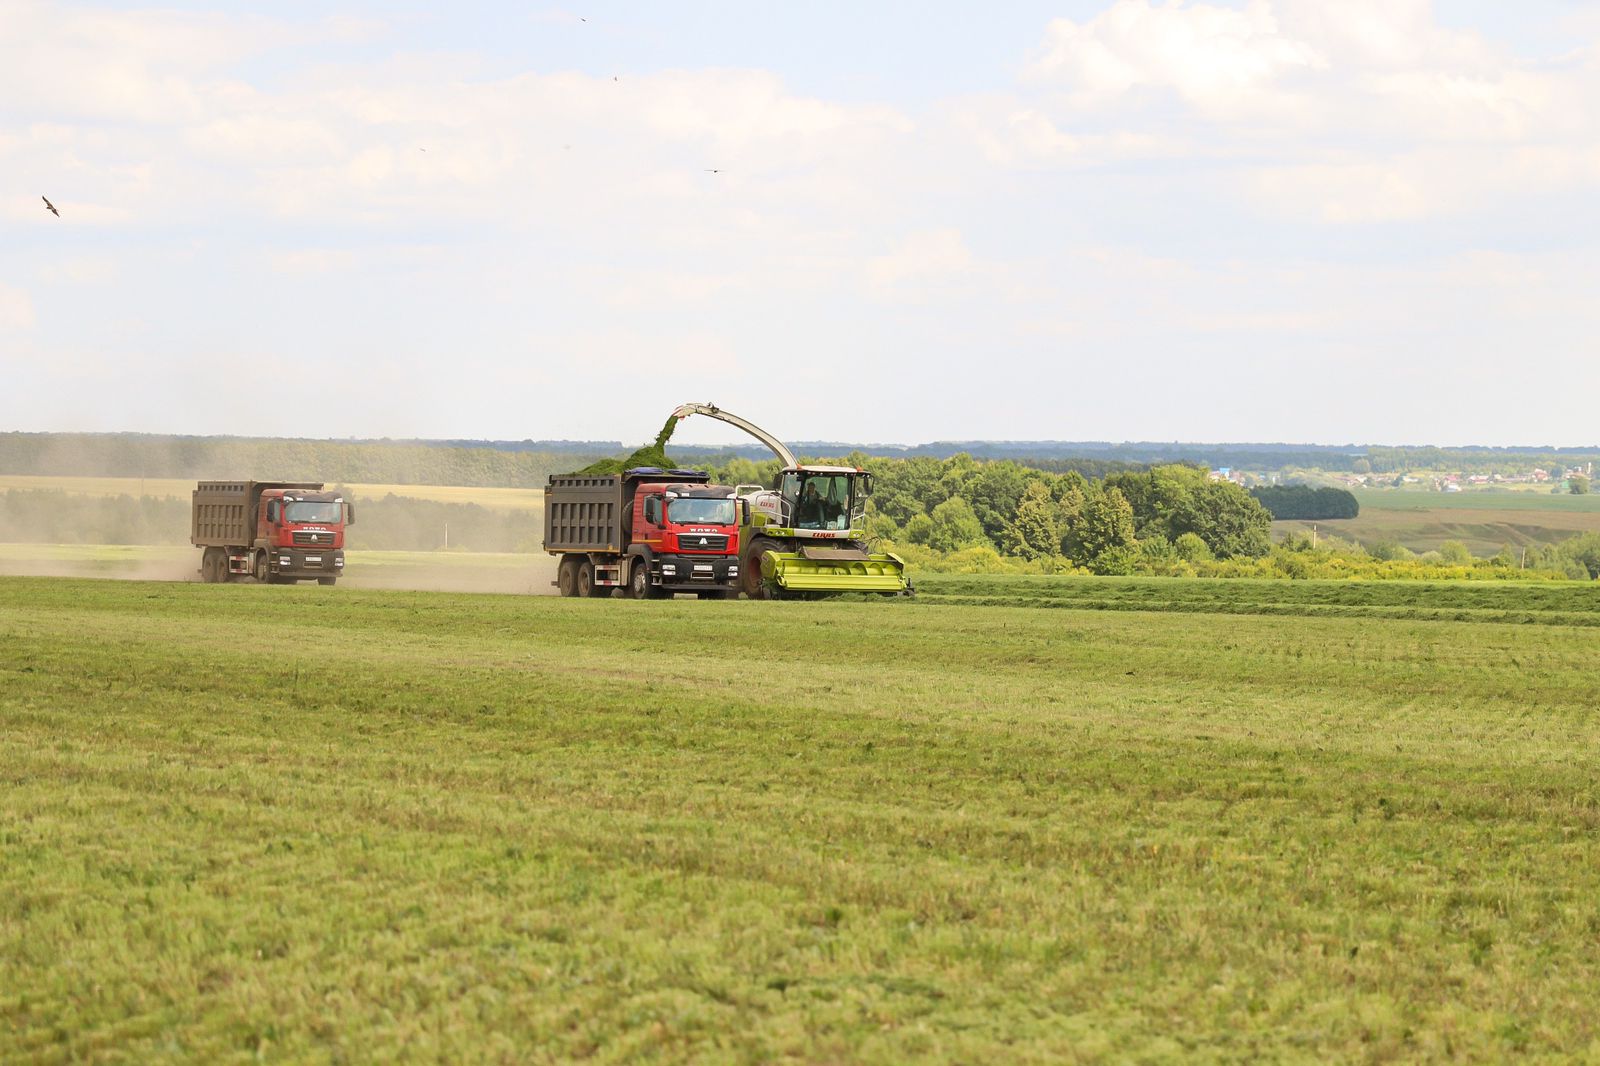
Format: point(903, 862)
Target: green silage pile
point(654, 454)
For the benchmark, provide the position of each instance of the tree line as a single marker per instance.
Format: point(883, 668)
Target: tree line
point(1306, 503)
point(372, 462)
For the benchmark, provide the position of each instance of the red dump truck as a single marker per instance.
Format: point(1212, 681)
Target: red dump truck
point(647, 531)
point(274, 531)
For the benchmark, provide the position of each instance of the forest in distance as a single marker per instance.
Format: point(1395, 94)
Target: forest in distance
point(528, 463)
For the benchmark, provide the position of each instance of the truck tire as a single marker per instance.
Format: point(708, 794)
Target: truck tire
point(263, 569)
point(713, 594)
point(210, 571)
point(585, 579)
point(567, 576)
point(639, 587)
point(326, 581)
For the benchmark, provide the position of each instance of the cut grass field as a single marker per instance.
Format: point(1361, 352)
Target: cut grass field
point(327, 824)
point(1484, 521)
point(501, 499)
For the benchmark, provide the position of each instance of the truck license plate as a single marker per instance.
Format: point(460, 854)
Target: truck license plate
point(313, 560)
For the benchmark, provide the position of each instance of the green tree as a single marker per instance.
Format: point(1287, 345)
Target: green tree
point(1455, 553)
point(1227, 518)
point(1106, 524)
point(1388, 550)
point(920, 529)
point(955, 526)
point(1583, 555)
point(1578, 485)
point(1035, 531)
point(1191, 548)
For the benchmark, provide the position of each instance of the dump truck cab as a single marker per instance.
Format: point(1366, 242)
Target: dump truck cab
point(299, 534)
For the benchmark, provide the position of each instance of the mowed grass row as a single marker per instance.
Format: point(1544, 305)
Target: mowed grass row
point(325, 824)
point(1569, 603)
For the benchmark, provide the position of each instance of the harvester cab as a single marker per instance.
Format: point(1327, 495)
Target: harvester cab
point(804, 534)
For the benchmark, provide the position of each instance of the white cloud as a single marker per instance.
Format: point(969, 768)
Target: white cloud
point(1218, 60)
point(1364, 111)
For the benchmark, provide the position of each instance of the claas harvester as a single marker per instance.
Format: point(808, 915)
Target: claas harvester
point(802, 535)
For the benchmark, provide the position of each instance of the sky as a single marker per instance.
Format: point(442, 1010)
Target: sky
point(1375, 221)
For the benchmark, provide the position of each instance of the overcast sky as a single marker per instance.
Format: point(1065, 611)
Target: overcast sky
point(1295, 220)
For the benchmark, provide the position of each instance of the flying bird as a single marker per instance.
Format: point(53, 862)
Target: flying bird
point(709, 170)
point(51, 206)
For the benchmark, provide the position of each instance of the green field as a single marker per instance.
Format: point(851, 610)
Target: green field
point(1484, 521)
point(305, 824)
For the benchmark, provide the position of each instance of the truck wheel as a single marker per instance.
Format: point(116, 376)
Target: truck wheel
point(263, 569)
point(750, 568)
point(209, 571)
point(639, 587)
point(328, 581)
point(585, 579)
point(714, 594)
point(567, 576)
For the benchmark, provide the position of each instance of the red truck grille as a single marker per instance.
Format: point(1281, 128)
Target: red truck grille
point(703, 542)
point(306, 538)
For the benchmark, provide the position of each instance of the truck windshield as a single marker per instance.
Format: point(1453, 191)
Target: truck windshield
point(308, 511)
point(689, 511)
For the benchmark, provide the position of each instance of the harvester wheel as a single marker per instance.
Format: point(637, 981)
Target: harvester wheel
point(567, 576)
point(639, 587)
point(750, 580)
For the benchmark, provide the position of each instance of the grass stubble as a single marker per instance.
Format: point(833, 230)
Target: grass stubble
point(340, 824)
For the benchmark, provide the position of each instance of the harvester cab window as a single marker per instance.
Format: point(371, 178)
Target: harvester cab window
point(824, 502)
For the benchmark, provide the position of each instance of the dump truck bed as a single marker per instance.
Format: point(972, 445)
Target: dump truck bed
point(593, 512)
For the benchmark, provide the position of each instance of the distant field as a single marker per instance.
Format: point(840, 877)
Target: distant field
point(504, 499)
point(314, 824)
point(1485, 521)
point(1509, 500)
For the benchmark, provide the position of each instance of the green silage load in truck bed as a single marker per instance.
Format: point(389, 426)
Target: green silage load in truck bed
point(654, 454)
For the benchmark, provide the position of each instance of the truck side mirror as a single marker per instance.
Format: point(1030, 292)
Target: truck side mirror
point(349, 514)
point(652, 509)
point(744, 512)
point(272, 512)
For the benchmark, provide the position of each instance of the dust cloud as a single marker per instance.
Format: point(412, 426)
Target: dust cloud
point(521, 575)
point(129, 569)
